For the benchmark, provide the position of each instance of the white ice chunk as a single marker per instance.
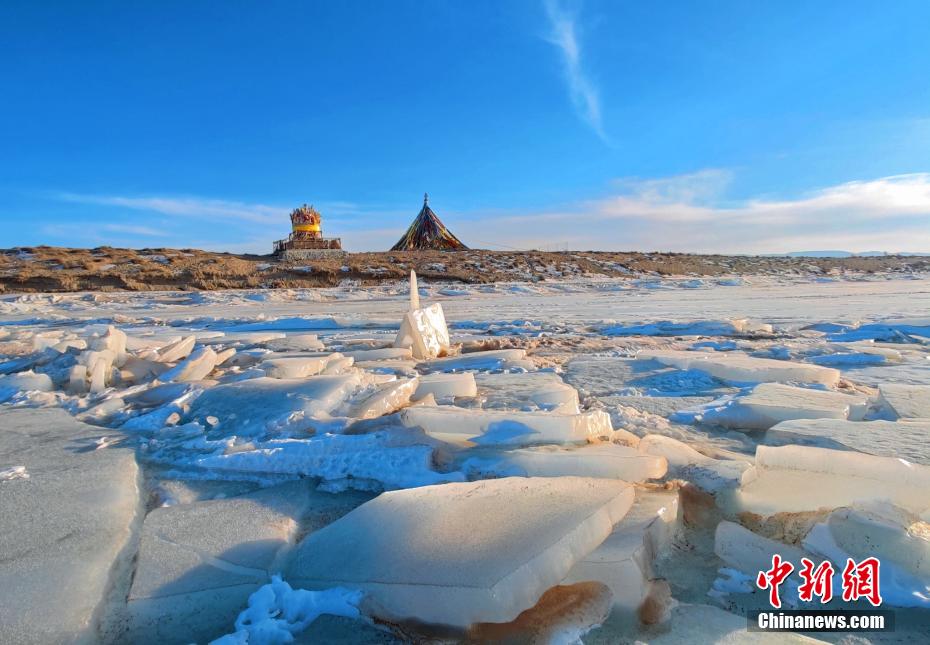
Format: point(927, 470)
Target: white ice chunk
point(463, 553)
point(749, 552)
point(261, 405)
point(490, 360)
point(414, 291)
point(195, 367)
point(177, 350)
point(139, 370)
point(490, 427)
point(908, 439)
point(387, 398)
point(739, 368)
point(113, 341)
point(387, 353)
point(771, 403)
point(624, 561)
point(447, 386)
point(295, 343)
point(803, 478)
point(13, 384)
point(372, 461)
point(906, 401)
point(294, 367)
point(604, 460)
point(898, 539)
point(13, 473)
point(424, 332)
point(528, 390)
point(687, 463)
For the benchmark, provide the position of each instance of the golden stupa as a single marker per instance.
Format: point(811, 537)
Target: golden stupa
point(306, 235)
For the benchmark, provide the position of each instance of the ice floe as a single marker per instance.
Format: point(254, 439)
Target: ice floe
point(464, 553)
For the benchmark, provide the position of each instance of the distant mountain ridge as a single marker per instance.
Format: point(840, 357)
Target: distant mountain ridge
point(840, 254)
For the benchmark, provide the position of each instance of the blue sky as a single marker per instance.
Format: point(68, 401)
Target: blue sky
point(703, 126)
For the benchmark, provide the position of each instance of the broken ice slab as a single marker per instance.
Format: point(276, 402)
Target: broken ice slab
point(908, 439)
point(13, 384)
point(709, 625)
point(377, 461)
point(527, 391)
point(684, 462)
point(424, 332)
point(771, 403)
point(64, 530)
point(906, 401)
point(387, 353)
point(749, 552)
point(900, 540)
point(269, 405)
point(848, 359)
point(735, 327)
point(295, 343)
point(177, 350)
point(624, 561)
point(490, 360)
point(802, 478)
point(199, 562)
point(603, 460)
point(297, 366)
point(195, 367)
point(387, 398)
point(489, 427)
point(463, 553)
point(736, 367)
point(113, 341)
point(447, 385)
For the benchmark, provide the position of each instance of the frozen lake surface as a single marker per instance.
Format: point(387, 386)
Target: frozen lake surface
point(621, 455)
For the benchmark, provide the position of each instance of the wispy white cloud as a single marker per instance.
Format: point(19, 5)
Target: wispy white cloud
point(564, 35)
point(210, 209)
point(689, 213)
point(135, 229)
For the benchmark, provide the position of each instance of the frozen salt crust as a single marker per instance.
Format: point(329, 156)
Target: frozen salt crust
point(458, 554)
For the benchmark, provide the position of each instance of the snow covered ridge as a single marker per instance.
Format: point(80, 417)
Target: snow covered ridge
point(490, 463)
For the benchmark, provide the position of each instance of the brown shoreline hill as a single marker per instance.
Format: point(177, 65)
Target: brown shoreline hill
point(55, 269)
point(427, 232)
